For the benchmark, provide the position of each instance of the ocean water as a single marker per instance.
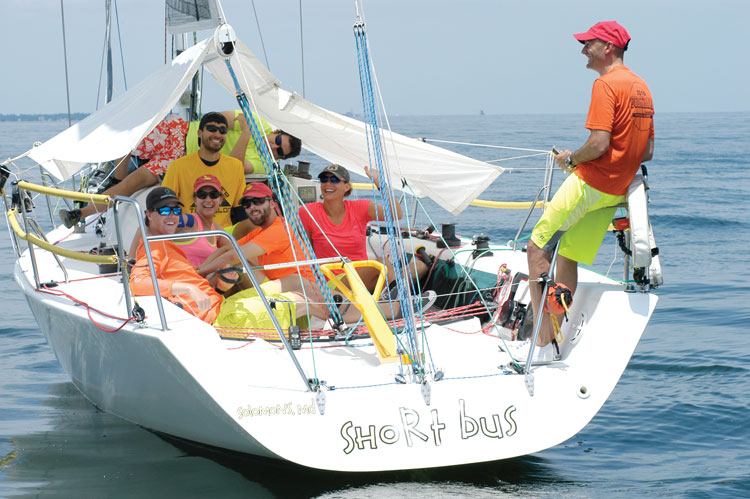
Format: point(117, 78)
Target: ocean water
point(677, 424)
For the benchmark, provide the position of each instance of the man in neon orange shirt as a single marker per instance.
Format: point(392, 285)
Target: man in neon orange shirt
point(620, 121)
point(268, 244)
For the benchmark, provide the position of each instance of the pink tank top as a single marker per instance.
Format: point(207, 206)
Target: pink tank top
point(197, 249)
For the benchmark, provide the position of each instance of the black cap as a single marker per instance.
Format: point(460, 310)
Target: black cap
point(160, 197)
point(337, 171)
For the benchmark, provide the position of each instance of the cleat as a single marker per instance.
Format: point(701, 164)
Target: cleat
point(70, 217)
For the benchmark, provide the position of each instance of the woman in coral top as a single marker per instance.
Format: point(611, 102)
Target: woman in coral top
point(337, 227)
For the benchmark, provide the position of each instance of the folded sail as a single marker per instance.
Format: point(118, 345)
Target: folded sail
point(186, 16)
point(450, 179)
point(116, 129)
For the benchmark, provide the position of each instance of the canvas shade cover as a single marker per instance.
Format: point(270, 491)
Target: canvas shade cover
point(450, 179)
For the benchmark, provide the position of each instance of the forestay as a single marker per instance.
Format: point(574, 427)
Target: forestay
point(450, 179)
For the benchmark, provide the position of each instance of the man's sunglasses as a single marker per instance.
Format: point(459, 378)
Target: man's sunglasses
point(324, 179)
point(279, 150)
point(213, 194)
point(166, 210)
point(247, 202)
point(213, 128)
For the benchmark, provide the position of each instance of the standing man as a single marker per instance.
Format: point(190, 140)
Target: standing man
point(208, 160)
point(620, 121)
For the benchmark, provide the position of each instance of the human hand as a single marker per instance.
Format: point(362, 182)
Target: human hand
point(372, 174)
point(561, 157)
point(201, 299)
point(243, 123)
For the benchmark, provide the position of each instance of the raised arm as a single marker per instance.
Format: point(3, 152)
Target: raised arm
point(240, 148)
point(376, 211)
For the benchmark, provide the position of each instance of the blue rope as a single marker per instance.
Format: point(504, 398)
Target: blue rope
point(374, 148)
point(281, 188)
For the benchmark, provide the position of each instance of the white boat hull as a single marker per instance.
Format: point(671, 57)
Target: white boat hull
point(190, 383)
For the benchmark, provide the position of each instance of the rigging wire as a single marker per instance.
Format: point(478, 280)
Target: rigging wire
point(302, 48)
point(375, 145)
point(166, 7)
point(104, 53)
point(260, 34)
point(65, 56)
point(119, 39)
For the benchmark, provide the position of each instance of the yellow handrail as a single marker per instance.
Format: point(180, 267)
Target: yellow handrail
point(62, 193)
point(502, 205)
point(506, 205)
point(74, 255)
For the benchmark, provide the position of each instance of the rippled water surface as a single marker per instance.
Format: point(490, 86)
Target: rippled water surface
point(678, 423)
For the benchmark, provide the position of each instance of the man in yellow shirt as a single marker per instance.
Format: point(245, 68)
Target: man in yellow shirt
point(208, 160)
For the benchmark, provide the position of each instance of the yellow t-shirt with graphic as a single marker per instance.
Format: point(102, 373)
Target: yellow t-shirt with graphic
point(233, 135)
point(183, 172)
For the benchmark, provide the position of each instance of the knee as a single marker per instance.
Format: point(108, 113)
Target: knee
point(144, 177)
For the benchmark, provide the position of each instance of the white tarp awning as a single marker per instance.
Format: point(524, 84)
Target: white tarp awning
point(115, 130)
point(450, 179)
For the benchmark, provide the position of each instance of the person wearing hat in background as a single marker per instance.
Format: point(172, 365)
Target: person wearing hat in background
point(177, 278)
point(343, 223)
point(621, 136)
point(208, 160)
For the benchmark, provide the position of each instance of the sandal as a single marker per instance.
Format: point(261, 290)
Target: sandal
point(220, 274)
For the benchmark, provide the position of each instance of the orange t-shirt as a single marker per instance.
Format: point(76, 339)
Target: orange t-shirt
point(172, 265)
point(620, 104)
point(275, 242)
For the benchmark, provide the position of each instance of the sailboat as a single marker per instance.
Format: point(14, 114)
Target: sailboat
point(438, 388)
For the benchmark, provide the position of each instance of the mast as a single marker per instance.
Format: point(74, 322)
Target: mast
point(108, 43)
point(65, 55)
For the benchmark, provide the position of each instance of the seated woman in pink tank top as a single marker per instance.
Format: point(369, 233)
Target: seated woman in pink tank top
point(207, 197)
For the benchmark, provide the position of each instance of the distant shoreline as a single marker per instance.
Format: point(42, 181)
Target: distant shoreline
point(43, 117)
point(79, 116)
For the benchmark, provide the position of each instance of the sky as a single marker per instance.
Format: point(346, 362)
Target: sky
point(432, 57)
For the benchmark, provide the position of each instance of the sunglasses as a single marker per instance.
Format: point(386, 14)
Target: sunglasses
point(324, 179)
point(279, 149)
point(213, 128)
point(213, 194)
point(247, 202)
point(166, 210)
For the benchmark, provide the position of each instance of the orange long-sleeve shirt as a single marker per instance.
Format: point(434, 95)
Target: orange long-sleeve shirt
point(172, 265)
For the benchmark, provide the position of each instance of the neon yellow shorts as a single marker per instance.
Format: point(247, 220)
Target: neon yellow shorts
point(578, 216)
point(245, 310)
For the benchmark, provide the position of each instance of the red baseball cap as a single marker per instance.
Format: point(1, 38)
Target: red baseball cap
point(608, 31)
point(205, 180)
point(257, 190)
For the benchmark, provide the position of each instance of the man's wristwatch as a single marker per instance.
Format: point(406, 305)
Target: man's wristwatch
point(569, 163)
